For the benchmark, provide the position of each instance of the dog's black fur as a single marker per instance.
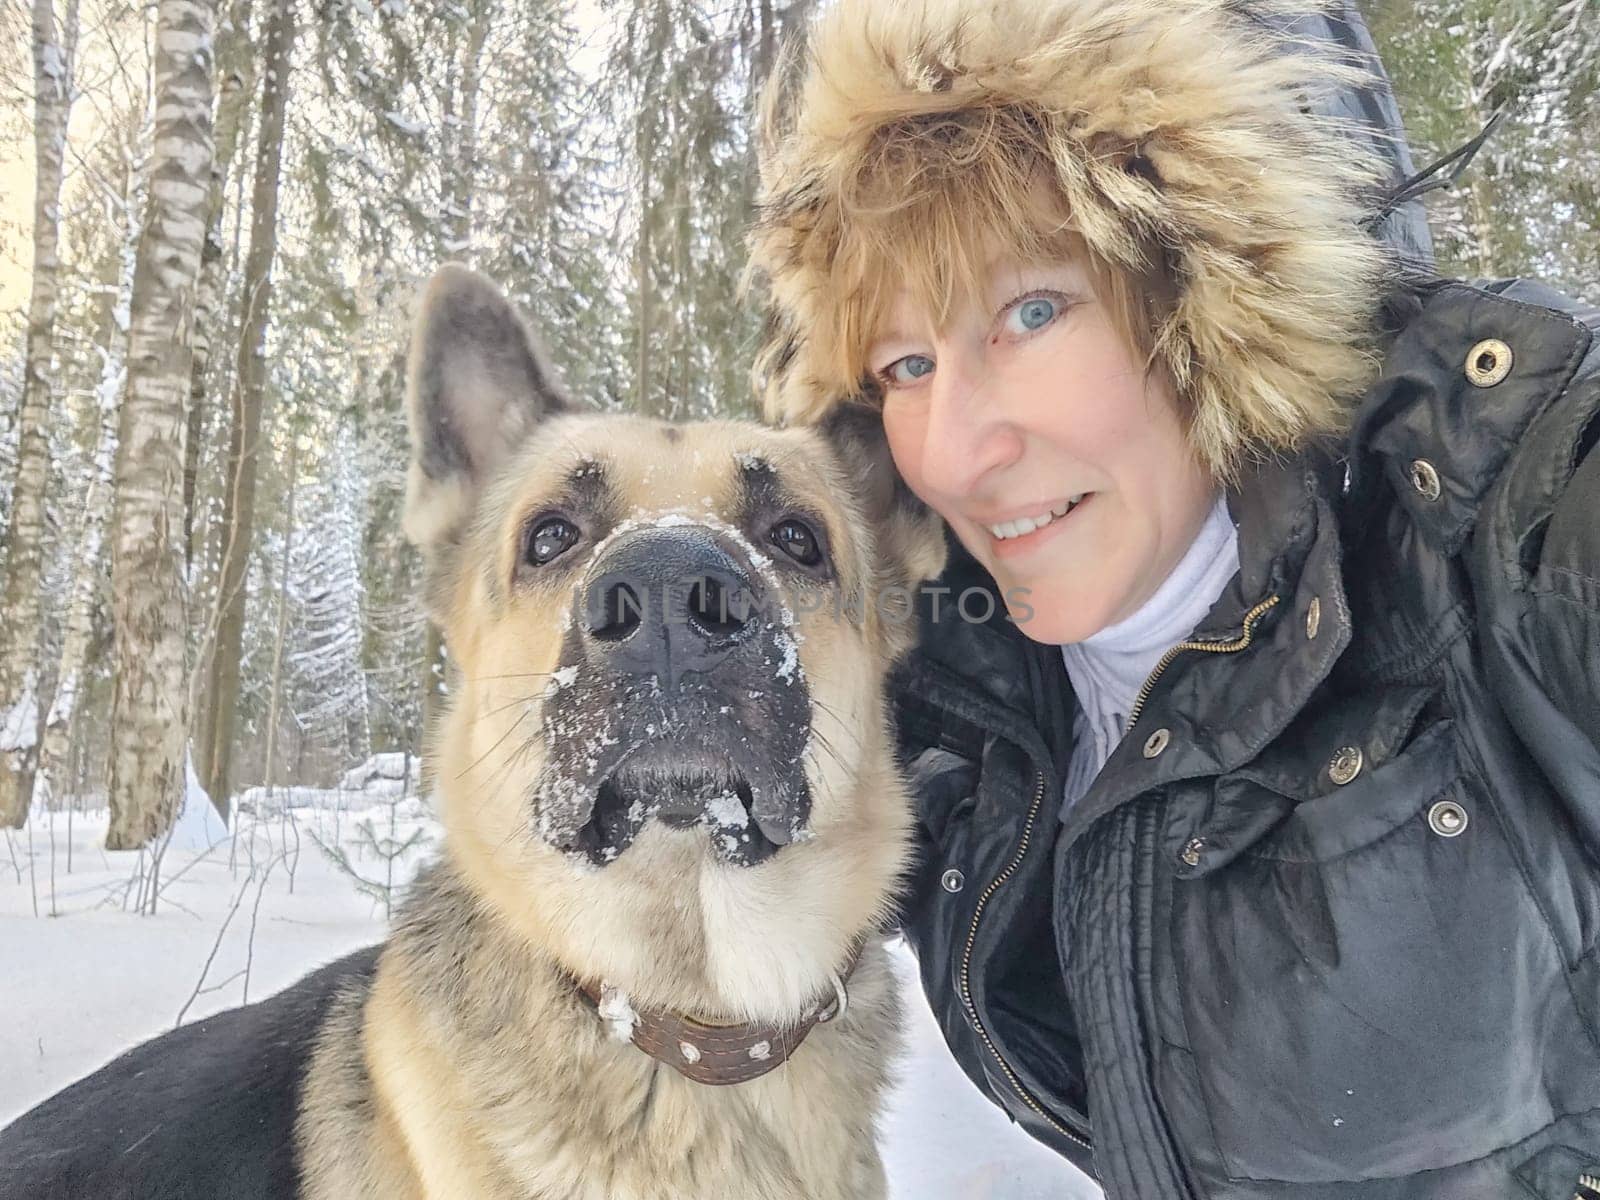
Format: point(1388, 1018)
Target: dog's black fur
point(205, 1112)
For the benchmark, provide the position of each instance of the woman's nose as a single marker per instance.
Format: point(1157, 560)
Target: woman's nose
point(967, 434)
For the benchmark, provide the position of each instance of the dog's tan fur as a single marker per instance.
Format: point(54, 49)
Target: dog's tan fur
point(473, 1068)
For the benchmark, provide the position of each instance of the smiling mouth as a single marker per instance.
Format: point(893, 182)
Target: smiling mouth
point(1023, 527)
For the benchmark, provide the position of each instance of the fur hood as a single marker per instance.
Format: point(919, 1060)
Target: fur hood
point(1179, 124)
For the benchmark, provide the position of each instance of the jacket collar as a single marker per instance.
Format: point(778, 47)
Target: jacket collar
point(1460, 388)
point(1218, 708)
point(1269, 641)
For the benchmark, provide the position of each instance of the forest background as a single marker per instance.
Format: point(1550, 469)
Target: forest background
point(214, 218)
point(202, 547)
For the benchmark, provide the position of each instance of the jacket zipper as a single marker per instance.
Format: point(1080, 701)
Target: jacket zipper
point(1229, 645)
point(966, 963)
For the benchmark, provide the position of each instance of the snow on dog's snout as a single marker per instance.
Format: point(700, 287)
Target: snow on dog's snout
point(681, 698)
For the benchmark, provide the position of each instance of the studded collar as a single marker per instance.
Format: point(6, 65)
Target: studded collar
point(718, 1054)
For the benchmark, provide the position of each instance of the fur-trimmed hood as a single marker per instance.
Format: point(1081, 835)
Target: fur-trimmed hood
point(1180, 124)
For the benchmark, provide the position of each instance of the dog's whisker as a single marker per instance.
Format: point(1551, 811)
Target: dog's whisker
point(512, 757)
point(500, 708)
point(828, 748)
point(498, 741)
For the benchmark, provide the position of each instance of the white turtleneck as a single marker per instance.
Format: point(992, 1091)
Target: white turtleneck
point(1108, 669)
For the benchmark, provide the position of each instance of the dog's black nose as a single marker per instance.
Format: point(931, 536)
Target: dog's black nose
point(668, 602)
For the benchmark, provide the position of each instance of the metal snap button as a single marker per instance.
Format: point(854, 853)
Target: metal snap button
point(1425, 479)
point(1346, 764)
point(1156, 743)
point(952, 880)
point(1313, 618)
point(1488, 363)
point(1191, 852)
point(1447, 818)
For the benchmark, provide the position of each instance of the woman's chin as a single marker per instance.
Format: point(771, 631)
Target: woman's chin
point(1053, 629)
point(1050, 610)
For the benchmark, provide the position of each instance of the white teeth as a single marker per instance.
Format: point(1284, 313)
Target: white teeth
point(1022, 525)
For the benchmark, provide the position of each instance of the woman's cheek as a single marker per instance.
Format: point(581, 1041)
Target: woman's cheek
point(905, 431)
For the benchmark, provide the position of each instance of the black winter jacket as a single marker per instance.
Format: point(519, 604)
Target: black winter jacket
point(1327, 925)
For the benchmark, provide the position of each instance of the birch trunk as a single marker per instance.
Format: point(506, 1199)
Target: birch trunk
point(249, 393)
point(21, 706)
point(89, 544)
point(149, 711)
point(461, 166)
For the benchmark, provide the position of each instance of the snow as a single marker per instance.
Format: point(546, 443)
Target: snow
point(19, 724)
point(391, 765)
point(617, 1013)
point(406, 125)
point(199, 826)
point(95, 979)
point(51, 62)
point(727, 809)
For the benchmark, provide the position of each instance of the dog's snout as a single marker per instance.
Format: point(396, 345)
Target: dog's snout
point(668, 602)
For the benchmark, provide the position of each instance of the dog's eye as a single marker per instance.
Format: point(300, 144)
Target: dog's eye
point(796, 540)
point(551, 539)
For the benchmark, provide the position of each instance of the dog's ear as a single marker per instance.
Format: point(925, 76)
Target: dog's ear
point(910, 535)
point(477, 386)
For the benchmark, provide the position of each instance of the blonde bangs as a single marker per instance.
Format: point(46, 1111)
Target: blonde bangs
point(939, 199)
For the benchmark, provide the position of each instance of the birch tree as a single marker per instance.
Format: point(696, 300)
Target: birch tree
point(21, 705)
point(149, 715)
point(86, 549)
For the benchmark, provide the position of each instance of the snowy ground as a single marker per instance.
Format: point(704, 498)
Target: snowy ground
point(88, 976)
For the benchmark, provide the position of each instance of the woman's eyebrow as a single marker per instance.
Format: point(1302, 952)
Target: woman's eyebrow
point(889, 339)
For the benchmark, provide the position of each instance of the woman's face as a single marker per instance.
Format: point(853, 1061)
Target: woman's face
point(1032, 427)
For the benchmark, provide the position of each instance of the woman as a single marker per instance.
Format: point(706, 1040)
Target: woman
point(1262, 829)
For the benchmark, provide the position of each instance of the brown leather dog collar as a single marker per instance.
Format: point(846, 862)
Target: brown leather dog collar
point(717, 1054)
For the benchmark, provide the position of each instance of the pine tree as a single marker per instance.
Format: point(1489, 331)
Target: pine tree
point(684, 75)
point(1526, 204)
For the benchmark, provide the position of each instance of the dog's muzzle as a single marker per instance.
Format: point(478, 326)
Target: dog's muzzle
point(686, 704)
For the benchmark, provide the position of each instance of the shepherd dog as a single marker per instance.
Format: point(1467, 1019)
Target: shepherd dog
point(650, 961)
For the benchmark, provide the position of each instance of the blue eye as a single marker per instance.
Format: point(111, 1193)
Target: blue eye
point(1031, 314)
point(908, 369)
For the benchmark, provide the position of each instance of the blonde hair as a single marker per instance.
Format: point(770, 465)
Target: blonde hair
point(940, 197)
point(1165, 144)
